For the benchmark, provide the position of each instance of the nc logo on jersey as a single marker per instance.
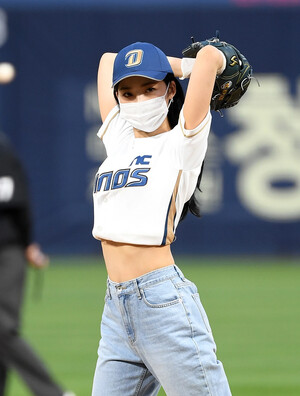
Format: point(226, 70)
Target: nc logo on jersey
point(141, 160)
point(134, 58)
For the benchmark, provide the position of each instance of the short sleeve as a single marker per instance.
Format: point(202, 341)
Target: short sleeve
point(192, 144)
point(114, 130)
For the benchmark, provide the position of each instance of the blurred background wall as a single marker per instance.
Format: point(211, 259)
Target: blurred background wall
point(251, 186)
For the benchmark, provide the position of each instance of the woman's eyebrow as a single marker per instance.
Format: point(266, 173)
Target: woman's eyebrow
point(124, 88)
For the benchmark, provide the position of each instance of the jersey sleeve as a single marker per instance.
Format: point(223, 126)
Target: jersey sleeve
point(114, 130)
point(191, 145)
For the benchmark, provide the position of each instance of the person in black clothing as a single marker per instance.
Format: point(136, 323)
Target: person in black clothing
point(16, 249)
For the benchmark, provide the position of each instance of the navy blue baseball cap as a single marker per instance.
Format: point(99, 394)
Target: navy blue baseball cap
point(141, 59)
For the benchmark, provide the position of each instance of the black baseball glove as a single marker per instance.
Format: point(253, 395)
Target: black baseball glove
point(232, 84)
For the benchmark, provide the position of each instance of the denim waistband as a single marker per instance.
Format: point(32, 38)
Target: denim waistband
point(134, 285)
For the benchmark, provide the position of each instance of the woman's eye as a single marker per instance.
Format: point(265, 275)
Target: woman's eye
point(127, 94)
point(151, 89)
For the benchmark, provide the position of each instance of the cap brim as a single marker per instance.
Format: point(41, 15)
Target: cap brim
point(157, 76)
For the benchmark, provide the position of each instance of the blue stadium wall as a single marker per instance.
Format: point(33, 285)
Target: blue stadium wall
point(251, 185)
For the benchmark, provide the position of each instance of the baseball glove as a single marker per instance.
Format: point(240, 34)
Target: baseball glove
point(232, 84)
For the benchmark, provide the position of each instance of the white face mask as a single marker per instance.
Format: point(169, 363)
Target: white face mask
point(148, 115)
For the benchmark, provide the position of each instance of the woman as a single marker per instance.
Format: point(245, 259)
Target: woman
point(154, 330)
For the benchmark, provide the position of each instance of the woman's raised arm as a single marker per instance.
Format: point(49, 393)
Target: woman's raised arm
point(105, 91)
point(198, 96)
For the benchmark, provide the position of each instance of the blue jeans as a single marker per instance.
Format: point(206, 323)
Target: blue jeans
point(155, 332)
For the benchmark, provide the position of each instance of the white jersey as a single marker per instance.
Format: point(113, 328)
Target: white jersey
point(142, 186)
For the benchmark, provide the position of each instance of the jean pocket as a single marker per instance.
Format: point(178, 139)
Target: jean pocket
point(161, 294)
point(197, 300)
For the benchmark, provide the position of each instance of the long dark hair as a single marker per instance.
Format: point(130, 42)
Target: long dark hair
point(178, 100)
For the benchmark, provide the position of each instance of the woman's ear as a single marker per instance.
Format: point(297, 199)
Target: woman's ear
point(172, 90)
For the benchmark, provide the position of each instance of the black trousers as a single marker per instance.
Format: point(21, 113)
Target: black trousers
point(15, 353)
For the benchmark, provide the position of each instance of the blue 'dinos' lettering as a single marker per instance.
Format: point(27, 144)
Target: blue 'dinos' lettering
point(120, 179)
point(141, 180)
point(104, 178)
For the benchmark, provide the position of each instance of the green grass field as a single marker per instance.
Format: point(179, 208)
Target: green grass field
point(253, 307)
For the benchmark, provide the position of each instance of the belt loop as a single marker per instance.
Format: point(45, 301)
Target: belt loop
point(108, 289)
point(137, 289)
